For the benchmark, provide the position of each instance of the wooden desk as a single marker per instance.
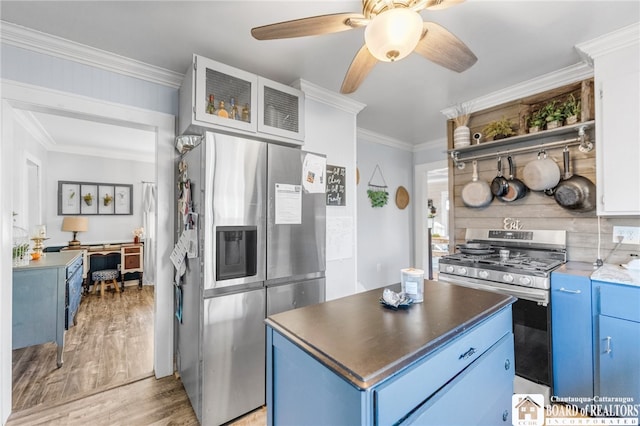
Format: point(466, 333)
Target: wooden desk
point(131, 258)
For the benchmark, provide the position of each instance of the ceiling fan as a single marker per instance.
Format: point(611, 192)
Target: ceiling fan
point(393, 29)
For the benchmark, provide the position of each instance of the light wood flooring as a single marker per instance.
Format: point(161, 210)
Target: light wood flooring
point(111, 344)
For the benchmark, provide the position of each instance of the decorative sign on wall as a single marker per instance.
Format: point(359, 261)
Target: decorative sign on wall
point(89, 198)
point(336, 177)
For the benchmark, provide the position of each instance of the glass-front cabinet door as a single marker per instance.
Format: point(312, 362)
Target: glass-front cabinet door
point(225, 96)
point(281, 110)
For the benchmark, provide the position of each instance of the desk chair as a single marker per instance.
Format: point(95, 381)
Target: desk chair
point(105, 270)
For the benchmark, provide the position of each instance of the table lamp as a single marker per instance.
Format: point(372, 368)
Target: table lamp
point(75, 224)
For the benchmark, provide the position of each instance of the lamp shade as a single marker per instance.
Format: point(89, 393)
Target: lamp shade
point(75, 224)
point(393, 34)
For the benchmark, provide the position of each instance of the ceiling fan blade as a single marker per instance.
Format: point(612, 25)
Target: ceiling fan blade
point(315, 25)
point(360, 67)
point(435, 4)
point(440, 46)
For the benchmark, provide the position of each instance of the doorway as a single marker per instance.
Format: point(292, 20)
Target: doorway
point(18, 96)
point(432, 214)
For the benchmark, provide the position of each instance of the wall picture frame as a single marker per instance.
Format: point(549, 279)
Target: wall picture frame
point(68, 198)
point(122, 199)
point(94, 198)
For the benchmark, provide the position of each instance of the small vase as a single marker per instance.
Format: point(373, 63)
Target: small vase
point(572, 119)
point(461, 137)
point(534, 129)
point(136, 240)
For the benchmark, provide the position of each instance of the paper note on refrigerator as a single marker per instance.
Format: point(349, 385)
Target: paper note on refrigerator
point(314, 169)
point(288, 204)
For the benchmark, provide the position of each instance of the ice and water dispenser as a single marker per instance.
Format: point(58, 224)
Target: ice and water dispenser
point(236, 248)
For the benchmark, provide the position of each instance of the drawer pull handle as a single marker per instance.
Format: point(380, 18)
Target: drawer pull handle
point(507, 364)
point(505, 415)
point(468, 353)
point(564, 290)
point(608, 349)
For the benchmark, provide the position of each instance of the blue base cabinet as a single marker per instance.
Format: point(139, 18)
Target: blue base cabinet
point(46, 297)
point(475, 370)
point(617, 337)
point(572, 335)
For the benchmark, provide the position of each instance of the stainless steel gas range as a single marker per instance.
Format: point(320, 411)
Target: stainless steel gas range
point(518, 263)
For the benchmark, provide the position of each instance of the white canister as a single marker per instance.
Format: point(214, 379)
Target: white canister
point(413, 283)
point(461, 137)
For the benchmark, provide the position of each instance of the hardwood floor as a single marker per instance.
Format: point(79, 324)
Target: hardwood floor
point(111, 344)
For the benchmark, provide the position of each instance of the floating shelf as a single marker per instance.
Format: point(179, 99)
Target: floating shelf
point(544, 139)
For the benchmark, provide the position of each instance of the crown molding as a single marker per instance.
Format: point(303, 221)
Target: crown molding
point(26, 38)
point(31, 124)
point(440, 143)
point(607, 43)
point(561, 77)
point(370, 136)
point(326, 96)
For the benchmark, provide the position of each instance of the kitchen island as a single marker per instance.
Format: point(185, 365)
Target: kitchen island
point(46, 297)
point(351, 361)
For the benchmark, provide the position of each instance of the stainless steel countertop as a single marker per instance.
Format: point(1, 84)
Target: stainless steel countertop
point(364, 342)
point(51, 260)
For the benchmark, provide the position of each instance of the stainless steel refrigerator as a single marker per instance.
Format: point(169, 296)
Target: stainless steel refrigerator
point(261, 250)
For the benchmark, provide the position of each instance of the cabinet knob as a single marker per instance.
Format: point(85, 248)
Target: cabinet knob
point(507, 364)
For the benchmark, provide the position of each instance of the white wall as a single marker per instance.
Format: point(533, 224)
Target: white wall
point(385, 234)
point(84, 168)
point(330, 129)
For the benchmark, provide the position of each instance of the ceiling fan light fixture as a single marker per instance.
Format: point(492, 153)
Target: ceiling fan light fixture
point(393, 34)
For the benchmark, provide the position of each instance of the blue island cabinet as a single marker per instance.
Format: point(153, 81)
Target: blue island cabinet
point(46, 297)
point(466, 379)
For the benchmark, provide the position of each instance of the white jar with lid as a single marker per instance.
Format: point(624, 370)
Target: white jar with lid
point(412, 281)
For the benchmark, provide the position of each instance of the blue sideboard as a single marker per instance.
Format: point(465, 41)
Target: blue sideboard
point(46, 297)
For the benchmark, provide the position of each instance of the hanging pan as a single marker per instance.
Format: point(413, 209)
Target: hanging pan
point(575, 192)
point(499, 184)
point(517, 188)
point(476, 193)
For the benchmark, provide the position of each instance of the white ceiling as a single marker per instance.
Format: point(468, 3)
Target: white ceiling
point(513, 40)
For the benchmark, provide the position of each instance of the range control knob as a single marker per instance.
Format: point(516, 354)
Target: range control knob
point(483, 274)
point(508, 278)
point(462, 271)
point(525, 280)
point(448, 269)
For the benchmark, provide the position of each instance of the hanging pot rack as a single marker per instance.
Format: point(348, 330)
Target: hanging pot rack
point(582, 140)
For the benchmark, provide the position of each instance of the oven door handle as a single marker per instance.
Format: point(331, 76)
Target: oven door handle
point(565, 290)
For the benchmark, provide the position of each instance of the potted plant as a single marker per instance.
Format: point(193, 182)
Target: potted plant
point(554, 114)
point(88, 198)
point(378, 196)
point(571, 109)
point(498, 129)
point(107, 199)
point(535, 121)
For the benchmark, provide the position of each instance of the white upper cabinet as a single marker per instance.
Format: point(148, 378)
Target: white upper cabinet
point(281, 109)
point(217, 97)
point(616, 60)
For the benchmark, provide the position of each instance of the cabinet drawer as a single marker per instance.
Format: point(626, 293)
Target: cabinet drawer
point(404, 393)
point(461, 402)
point(128, 250)
point(619, 301)
point(131, 262)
